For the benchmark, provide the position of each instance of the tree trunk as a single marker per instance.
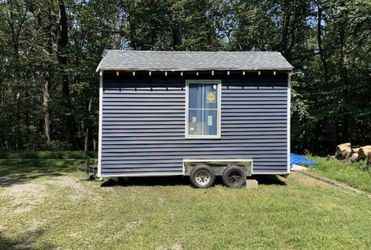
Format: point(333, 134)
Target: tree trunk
point(286, 16)
point(63, 61)
point(319, 41)
point(346, 110)
point(176, 34)
point(16, 27)
point(46, 113)
point(86, 141)
point(18, 121)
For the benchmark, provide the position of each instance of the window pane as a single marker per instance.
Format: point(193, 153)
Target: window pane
point(210, 122)
point(203, 109)
point(210, 96)
point(195, 96)
point(195, 122)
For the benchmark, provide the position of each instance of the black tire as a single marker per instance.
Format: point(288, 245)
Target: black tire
point(234, 177)
point(202, 176)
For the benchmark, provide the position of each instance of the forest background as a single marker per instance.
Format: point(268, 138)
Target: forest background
point(49, 51)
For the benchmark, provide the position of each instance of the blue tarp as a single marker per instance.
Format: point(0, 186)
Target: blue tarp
point(300, 159)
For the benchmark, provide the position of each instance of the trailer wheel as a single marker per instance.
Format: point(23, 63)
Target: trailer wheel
point(202, 176)
point(234, 177)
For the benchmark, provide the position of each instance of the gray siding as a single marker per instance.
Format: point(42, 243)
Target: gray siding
point(144, 125)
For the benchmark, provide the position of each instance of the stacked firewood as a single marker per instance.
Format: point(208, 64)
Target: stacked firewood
point(345, 151)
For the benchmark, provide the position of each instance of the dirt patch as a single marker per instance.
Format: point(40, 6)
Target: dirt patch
point(162, 200)
point(66, 182)
point(177, 246)
point(23, 197)
point(307, 181)
point(34, 225)
point(75, 234)
point(130, 226)
point(133, 224)
point(79, 191)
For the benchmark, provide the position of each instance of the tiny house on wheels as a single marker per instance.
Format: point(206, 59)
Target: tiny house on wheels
point(199, 114)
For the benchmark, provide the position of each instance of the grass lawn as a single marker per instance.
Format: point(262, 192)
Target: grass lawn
point(46, 154)
point(357, 175)
point(48, 204)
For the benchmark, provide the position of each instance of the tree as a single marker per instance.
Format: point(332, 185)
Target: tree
point(50, 49)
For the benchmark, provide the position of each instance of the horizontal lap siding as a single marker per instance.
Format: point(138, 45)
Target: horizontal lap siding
point(143, 128)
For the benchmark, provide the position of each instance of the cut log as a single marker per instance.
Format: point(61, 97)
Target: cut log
point(368, 158)
point(346, 153)
point(354, 157)
point(331, 157)
point(342, 150)
point(363, 152)
point(355, 150)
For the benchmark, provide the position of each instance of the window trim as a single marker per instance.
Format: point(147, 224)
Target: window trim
point(219, 109)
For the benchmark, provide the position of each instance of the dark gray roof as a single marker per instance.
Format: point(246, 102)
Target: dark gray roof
point(192, 61)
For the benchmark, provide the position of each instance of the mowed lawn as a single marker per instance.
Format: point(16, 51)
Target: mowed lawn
point(356, 174)
point(49, 204)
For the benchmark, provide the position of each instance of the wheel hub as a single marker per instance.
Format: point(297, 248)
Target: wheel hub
point(202, 177)
point(234, 177)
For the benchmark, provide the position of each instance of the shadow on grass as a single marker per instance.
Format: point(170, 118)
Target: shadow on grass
point(148, 181)
point(269, 180)
point(180, 181)
point(24, 240)
point(7, 182)
point(17, 171)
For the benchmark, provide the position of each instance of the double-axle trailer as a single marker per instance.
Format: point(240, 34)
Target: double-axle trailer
point(200, 114)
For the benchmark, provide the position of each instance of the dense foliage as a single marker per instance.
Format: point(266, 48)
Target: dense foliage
point(51, 48)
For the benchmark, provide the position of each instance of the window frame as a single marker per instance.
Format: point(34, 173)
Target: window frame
point(219, 109)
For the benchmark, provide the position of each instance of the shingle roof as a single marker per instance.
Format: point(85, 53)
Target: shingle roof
point(192, 61)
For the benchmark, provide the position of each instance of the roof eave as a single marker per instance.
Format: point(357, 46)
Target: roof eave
point(99, 68)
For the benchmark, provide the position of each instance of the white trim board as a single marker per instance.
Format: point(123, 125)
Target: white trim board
point(219, 160)
point(288, 121)
point(99, 173)
point(219, 109)
point(270, 173)
point(154, 174)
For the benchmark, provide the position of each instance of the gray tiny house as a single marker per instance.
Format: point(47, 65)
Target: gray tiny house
point(168, 113)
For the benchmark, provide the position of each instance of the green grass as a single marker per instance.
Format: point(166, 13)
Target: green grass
point(68, 212)
point(34, 168)
point(357, 175)
point(47, 154)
